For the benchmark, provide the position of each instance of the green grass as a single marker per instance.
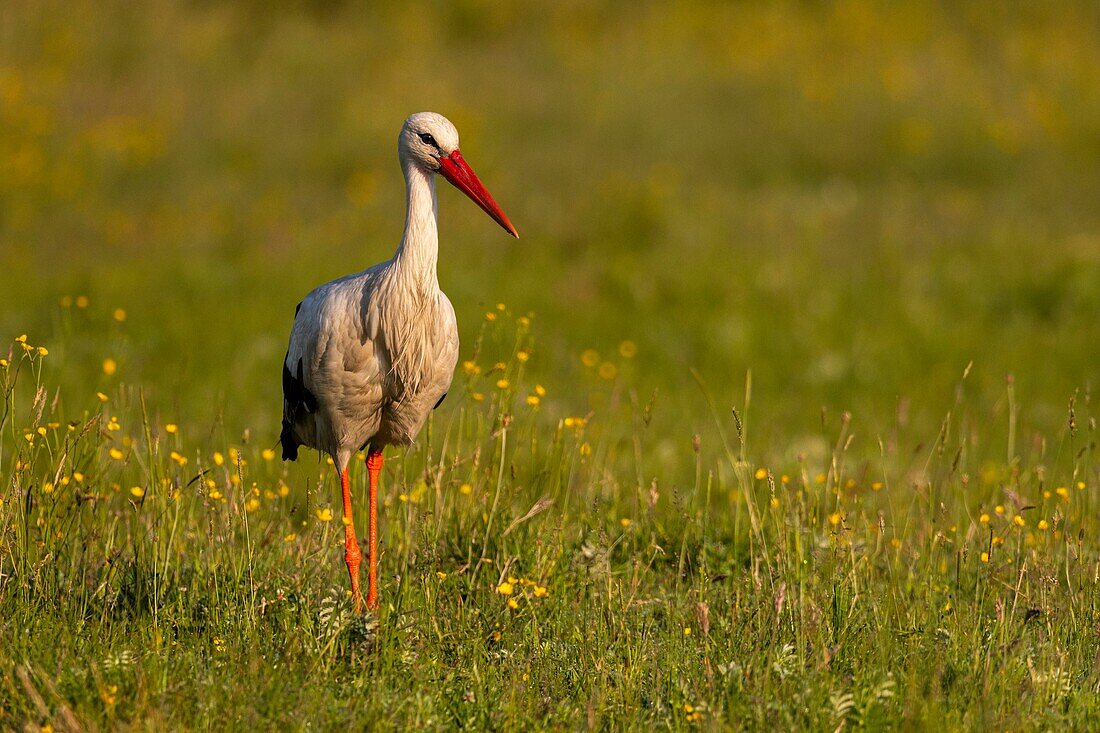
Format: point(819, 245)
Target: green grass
point(810, 291)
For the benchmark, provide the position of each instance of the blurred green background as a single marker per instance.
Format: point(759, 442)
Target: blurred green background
point(854, 199)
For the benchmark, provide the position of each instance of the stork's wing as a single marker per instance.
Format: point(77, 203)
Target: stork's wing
point(298, 401)
point(331, 373)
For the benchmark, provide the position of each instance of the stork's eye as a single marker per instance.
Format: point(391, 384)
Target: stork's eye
point(429, 139)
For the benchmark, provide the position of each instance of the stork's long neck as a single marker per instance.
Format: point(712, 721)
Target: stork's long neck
point(415, 261)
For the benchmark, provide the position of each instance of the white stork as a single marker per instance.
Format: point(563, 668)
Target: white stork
point(372, 354)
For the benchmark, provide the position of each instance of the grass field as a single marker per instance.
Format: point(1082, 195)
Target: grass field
point(779, 415)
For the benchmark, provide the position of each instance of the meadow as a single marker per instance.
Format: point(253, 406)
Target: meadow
point(778, 415)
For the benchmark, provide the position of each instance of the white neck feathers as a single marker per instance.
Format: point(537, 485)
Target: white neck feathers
point(414, 264)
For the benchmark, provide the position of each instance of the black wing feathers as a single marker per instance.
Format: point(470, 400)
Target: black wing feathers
point(296, 400)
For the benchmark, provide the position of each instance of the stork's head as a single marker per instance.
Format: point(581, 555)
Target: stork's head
point(429, 141)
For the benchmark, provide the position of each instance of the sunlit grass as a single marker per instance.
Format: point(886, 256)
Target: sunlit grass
point(532, 572)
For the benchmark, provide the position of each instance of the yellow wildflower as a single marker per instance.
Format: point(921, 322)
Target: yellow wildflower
point(533, 400)
point(171, 428)
point(540, 390)
point(137, 491)
point(490, 316)
point(523, 356)
point(513, 603)
point(441, 575)
point(984, 519)
point(608, 370)
point(325, 515)
point(119, 315)
point(115, 453)
point(110, 366)
point(761, 474)
point(503, 384)
point(590, 357)
point(1019, 521)
point(267, 454)
point(102, 397)
point(290, 537)
point(465, 489)
point(43, 351)
point(505, 588)
point(219, 459)
point(835, 517)
point(82, 301)
point(628, 349)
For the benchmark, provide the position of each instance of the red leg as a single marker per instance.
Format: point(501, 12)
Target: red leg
point(374, 469)
point(352, 554)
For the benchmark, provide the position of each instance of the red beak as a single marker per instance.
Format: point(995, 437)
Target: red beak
point(462, 177)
